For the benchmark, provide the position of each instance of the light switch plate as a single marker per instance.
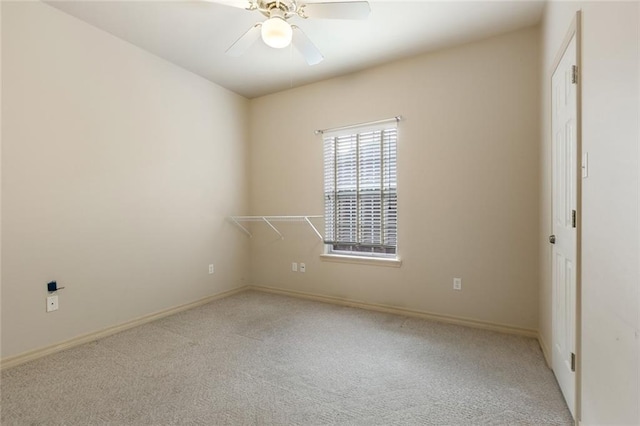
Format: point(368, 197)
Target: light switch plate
point(457, 283)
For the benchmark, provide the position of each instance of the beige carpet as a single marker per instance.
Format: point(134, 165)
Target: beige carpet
point(262, 359)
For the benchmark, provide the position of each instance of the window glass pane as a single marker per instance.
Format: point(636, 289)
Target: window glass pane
point(370, 188)
point(346, 188)
point(329, 188)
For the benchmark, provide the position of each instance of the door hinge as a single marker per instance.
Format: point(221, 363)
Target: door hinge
point(573, 361)
point(573, 218)
point(574, 74)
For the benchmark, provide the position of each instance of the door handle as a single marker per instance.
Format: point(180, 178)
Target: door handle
point(552, 239)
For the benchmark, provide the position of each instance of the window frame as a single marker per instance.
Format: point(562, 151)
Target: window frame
point(383, 162)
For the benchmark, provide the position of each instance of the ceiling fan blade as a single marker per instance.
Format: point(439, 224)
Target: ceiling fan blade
point(336, 10)
point(241, 4)
point(245, 41)
point(309, 51)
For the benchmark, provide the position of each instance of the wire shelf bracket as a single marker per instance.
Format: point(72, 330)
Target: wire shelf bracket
point(270, 219)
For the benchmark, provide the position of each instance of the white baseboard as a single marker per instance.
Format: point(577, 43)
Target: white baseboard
point(90, 337)
point(485, 325)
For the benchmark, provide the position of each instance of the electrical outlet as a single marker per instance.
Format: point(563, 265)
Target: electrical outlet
point(294, 267)
point(303, 267)
point(211, 270)
point(52, 303)
point(457, 283)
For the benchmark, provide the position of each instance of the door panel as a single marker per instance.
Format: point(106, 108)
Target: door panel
point(564, 200)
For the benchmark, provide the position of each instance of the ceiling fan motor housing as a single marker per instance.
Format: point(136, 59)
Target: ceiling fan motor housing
point(282, 8)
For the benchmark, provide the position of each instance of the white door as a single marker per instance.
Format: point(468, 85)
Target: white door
point(564, 210)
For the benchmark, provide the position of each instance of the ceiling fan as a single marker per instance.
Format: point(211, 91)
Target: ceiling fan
point(277, 32)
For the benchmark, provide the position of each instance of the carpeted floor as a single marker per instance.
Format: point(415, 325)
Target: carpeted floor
point(263, 359)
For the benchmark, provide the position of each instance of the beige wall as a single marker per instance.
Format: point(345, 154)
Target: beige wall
point(610, 246)
point(118, 171)
point(468, 173)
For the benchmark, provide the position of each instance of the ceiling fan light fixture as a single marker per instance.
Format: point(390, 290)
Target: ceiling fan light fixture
point(276, 32)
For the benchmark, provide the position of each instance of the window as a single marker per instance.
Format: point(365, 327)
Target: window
point(360, 190)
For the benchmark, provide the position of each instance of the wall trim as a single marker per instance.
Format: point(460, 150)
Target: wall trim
point(22, 358)
point(362, 260)
point(545, 350)
point(468, 322)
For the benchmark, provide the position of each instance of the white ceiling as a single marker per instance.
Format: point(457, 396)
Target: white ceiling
point(195, 34)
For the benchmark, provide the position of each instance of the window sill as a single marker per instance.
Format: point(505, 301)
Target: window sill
point(376, 261)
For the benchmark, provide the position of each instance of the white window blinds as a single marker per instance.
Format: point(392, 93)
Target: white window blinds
point(360, 189)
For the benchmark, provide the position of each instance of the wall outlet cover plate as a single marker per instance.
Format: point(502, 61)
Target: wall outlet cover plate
point(52, 303)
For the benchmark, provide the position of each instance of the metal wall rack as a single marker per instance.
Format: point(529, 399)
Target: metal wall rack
point(270, 219)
